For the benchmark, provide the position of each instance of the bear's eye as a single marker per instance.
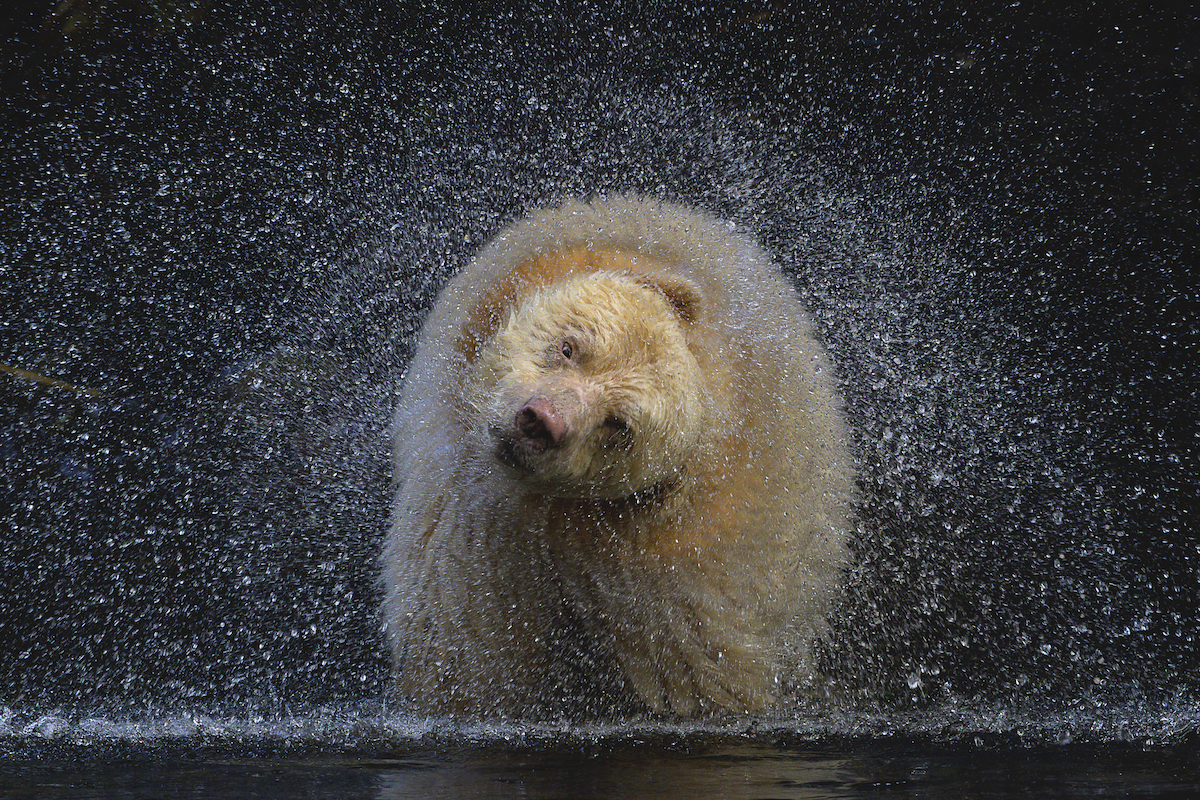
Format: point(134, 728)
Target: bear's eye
point(567, 349)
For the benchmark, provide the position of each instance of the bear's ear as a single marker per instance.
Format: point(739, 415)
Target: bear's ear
point(682, 295)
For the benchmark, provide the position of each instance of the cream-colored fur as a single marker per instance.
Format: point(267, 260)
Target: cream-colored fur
point(675, 548)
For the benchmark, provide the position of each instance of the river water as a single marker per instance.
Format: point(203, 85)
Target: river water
point(350, 755)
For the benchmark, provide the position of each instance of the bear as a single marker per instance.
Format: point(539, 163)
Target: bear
point(623, 477)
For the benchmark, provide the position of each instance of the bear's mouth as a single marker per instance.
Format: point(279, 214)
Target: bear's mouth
point(518, 453)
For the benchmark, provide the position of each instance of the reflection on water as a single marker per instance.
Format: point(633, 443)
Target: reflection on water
point(650, 766)
point(814, 771)
point(350, 754)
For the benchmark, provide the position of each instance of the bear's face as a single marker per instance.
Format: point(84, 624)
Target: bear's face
point(589, 389)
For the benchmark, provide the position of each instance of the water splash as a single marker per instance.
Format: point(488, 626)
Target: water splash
point(233, 238)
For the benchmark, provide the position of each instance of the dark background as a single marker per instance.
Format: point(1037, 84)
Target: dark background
point(221, 223)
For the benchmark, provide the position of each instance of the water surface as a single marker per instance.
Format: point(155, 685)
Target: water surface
point(351, 754)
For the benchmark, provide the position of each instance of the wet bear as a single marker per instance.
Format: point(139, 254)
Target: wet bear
point(623, 481)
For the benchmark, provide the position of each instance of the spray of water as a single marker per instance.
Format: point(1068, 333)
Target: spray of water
point(230, 242)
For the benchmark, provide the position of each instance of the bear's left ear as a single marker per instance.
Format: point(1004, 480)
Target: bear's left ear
point(682, 295)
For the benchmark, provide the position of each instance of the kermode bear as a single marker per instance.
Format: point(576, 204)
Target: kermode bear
point(623, 477)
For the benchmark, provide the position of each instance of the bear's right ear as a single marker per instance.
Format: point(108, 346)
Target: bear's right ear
point(681, 294)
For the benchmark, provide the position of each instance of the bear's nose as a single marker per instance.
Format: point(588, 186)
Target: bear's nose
point(539, 424)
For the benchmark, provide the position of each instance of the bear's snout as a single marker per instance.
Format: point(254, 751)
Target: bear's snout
point(539, 424)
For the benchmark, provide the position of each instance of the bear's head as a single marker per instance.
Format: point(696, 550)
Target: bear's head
point(589, 389)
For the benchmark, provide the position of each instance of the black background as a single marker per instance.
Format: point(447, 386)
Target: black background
point(190, 194)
